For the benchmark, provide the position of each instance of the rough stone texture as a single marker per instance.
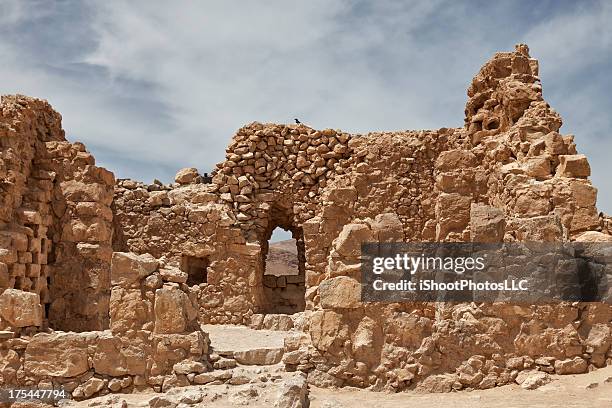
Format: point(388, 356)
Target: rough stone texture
point(132, 352)
point(507, 175)
point(21, 309)
point(55, 217)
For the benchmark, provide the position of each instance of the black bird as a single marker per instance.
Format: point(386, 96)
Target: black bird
point(297, 121)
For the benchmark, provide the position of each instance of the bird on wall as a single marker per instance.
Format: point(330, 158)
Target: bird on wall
point(297, 121)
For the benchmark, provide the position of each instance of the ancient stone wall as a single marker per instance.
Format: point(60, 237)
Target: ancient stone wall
point(508, 175)
point(54, 220)
point(154, 339)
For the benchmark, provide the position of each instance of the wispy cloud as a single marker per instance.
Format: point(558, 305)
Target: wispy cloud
point(153, 86)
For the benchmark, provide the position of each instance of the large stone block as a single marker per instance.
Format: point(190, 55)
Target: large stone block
point(324, 328)
point(453, 213)
point(20, 309)
point(56, 355)
point(129, 311)
point(387, 228)
point(107, 358)
point(348, 243)
point(127, 269)
point(340, 292)
point(173, 310)
point(573, 165)
point(455, 159)
point(487, 223)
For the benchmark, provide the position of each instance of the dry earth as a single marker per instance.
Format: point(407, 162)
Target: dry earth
point(593, 390)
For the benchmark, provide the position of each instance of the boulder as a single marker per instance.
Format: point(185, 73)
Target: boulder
point(437, 384)
point(530, 380)
point(576, 365)
point(594, 236)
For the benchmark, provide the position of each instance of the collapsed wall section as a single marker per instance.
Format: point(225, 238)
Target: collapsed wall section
point(54, 223)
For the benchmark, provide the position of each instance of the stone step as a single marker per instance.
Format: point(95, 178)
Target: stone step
point(244, 345)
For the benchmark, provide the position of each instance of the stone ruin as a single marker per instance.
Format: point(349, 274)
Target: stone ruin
point(105, 283)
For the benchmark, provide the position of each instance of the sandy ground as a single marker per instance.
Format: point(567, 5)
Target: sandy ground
point(593, 390)
point(565, 391)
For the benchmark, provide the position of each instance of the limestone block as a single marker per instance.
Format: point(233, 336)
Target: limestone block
point(340, 292)
point(594, 236)
point(56, 355)
point(77, 191)
point(453, 213)
point(487, 224)
point(107, 358)
point(293, 393)
point(173, 310)
point(259, 356)
point(20, 309)
point(455, 159)
point(128, 310)
point(324, 327)
point(537, 167)
point(573, 165)
point(576, 365)
point(186, 175)
point(387, 228)
point(348, 243)
point(128, 269)
point(173, 275)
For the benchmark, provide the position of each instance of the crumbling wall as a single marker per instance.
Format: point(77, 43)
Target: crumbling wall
point(54, 220)
point(508, 175)
point(154, 339)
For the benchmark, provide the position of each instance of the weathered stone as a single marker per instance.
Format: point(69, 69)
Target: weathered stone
point(340, 292)
point(293, 393)
point(575, 365)
point(127, 268)
point(260, 356)
point(532, 380)
point(173, 310)
point(186, 175)
point(20, 309)
point(56, 355)
point(487, 223)
point(575, 165)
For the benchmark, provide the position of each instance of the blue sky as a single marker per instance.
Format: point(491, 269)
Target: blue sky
point(154, 86)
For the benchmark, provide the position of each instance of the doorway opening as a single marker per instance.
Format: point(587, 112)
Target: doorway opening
point(196, 269)
point(284, 261)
